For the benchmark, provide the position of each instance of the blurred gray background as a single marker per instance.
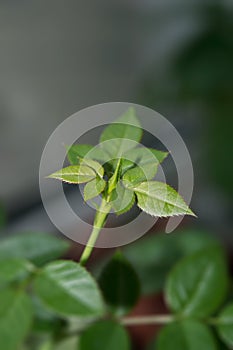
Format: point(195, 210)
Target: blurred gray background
point(58, 57)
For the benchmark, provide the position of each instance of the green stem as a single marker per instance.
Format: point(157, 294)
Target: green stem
point(100, 218)
point(147, 320)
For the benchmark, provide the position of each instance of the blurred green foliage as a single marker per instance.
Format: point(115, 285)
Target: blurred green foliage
point(59, 305)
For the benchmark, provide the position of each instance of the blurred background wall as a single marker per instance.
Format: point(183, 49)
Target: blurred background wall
point(58, 57)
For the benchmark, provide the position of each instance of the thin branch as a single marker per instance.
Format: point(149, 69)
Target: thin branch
point(147, 320)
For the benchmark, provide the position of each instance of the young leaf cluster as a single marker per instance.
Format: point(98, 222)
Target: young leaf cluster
point(122, 171)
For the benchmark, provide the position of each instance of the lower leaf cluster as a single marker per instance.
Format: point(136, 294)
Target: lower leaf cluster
point(48, 304)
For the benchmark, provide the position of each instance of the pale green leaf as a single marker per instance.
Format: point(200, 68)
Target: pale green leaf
point(186, 335)
point(121, 133)
point(105, 335)
point(159, 199)
point(77, 152)
point(34, 246)
point(93, 165)
point(143, 155)
point(225, 325)
point(94, 188)
point(15, 318)
point(198, 284)
point(136, 175)
point(122, 199)
point(68, 289)
point(146, 161)
point(74, 174)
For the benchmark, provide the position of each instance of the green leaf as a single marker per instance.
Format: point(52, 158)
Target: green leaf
point(122, 199)
point(15, 318)
point(146, 161)
point(120, 285)
point(143, 155)
point(39, 248)
point(186, 335)
point(136, 175)
point(105, 335)
point(67, 288)
point(94, 188)
point(159, 199)
point(77, 152)
point(45, 321)
point(74, 174)
point(97, 167)
point(198, 284)
point(161, 252)
point(14, 270)
point(121, 133)
point(225, 325)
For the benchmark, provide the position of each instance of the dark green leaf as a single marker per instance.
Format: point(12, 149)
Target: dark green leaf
point(45, 321)
point(94, 188)
point(225, 325)
point(186, 335)
point(120, 285)
point(159, 199)
point(36, 247)
point(154, 256)
point(198, 284)
point(105, 335)
point(121, 133)
point(14, 270)
point(67, 288)
point(15, 318)
point(74, 174)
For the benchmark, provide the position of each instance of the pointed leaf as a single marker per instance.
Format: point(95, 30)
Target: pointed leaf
point(159, 199)
point(120, 285)
point(74, 174)
point(120, 133)
point(225, 325)
point(198, 284)
point(122, 199)
point(68, 289)
point(36, 247)
point(104, 335)
point(186, 335)
point(15, 318)
point(94, 188)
